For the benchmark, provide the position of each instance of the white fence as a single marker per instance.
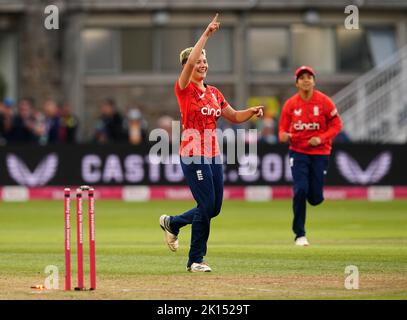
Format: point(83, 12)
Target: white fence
point(374, 107)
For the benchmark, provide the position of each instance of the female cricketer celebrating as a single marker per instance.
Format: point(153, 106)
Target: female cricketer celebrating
point(309, 122)
point(201, 105)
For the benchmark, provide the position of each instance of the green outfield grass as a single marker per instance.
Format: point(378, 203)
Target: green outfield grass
point(250, 250)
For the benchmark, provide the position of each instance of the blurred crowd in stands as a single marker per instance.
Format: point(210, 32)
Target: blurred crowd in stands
point(56, 123)
point(23, 123)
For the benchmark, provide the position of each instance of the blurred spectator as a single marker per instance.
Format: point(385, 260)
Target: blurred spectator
point(69, 124)
point(23, 127)
point(342, 137)
point(228, 131)
point(52, 123)
point(268, 132)
point(136, 126)
point(110, 126)
point(2, 123)
point(6, 119)
point(40, 129)
point(165, 123)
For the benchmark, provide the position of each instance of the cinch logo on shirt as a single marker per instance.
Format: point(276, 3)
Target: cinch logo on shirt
point(207, 111)
point(306, 126)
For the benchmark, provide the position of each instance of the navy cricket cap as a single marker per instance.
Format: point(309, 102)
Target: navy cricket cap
point(303, 69)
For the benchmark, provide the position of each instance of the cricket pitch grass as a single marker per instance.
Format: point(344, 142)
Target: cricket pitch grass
point(251, 251)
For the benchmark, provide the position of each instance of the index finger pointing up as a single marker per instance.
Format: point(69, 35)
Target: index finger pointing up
point(216, 18)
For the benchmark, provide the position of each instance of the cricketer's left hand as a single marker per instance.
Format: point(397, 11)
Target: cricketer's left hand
point(315, 141)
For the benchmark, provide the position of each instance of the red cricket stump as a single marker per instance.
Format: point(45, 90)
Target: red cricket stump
point(92, 253)
point(79, 238)
point(67, 216)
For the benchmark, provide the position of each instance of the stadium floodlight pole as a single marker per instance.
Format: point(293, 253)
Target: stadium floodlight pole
point(79, 238)
point(67, 218)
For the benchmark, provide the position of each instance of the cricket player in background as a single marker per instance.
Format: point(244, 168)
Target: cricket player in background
point(309, 122)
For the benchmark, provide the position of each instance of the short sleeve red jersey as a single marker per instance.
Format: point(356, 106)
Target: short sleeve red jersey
point(199, 112)
point(316, 117)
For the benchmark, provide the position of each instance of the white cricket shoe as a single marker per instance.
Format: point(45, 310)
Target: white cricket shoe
point(169, 238)
point(301, 241)
point(199, 267)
